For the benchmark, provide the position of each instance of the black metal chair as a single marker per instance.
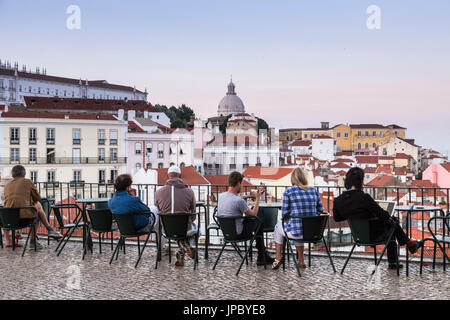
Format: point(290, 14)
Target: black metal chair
point(70, 227)
point(46, 205)
point(313, 228)
point(269, 218)
point(212, 226)
point(360, 229)
point(175, 228)
point(10, 220)
point(101, 205)
point(442, 239)
point(125, 223)
point(100, 221)
point(228, 227)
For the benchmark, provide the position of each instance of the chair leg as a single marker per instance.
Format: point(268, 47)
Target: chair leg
point(1, 238)
point(170, 251)
point(85, 246)
point(122, 240)
point(13, 239)
point(374, 254)
point(246, 253)
point(284, 254)
point(141, 252)
point(220, 254)
point(157, 250)
point(329, 254)
point(63, 239)
point(111, 240)
point(139, 245)
point(206, 243)
point(309, 255)
point(115, 250)
point(421, 259)
point(348, 258)
point(196, 253)
point(295, 260)
point(100, 242)
point(26, 242)
point(434, 255)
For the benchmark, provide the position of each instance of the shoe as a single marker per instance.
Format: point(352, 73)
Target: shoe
point(38, 246)
point(394, 266)
point(54, 234)
point(416, 245)
point(16, 245)
point(180, 259)
point(277, 263)
point(302, 265)
point(268, 260)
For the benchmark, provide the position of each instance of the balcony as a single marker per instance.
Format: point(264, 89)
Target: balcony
point(51, 185)
point(113, 142)
point(14, 141)
point(63, 160)
point(50, 141)
point(32, 141)
point(76, 184)
point(101, 142)
point(76, 141)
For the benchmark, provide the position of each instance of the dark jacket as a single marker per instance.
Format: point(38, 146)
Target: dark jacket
point(123, 203)
point(359, 205)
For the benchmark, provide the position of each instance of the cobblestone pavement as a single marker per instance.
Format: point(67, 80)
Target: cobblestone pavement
point(42, 275)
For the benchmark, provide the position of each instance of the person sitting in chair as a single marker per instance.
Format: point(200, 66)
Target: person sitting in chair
point(125, 201)
point(354, 203)
point(21, 192)
point(298, 200)
point(231, 205)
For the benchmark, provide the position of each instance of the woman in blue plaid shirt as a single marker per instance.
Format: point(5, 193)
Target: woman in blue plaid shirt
point(298, 201)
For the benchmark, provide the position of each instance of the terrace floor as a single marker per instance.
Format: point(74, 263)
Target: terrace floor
point(42, 275)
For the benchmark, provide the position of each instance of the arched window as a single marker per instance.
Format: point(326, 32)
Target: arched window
point(366, 145)
point(172, 148)
point(160, 150)
point(182, 165)
point(138, 167)
point(182, 150)
point(149, 165)
point(359, 145)
point(160, 165)
point(374, 145)
point(138, 148)
point(149, 148)
point(172, 164)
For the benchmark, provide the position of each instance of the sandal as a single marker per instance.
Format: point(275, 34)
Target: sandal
point(17, 245)
point(303, 266)
point(277, 263)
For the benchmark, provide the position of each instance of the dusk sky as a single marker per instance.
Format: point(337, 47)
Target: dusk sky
point(294, 63)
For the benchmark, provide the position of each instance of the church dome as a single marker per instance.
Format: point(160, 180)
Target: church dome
point(231, 103)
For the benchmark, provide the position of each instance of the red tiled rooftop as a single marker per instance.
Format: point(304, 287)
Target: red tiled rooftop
point(367, 159)
point(267, 173)
point(300, 143)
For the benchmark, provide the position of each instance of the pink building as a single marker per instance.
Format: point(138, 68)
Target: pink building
point(439, 174)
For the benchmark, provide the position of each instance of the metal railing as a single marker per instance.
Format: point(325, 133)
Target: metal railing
point(337, 234)
point(64, 160)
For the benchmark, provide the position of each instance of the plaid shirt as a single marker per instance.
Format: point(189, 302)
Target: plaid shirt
point(298, 203)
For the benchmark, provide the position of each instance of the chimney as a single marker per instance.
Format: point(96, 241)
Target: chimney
point(131, 115)
point(325, 125)
point(145, 114)
point(120, 114)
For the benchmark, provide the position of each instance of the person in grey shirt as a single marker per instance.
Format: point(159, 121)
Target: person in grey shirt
point(232, 205)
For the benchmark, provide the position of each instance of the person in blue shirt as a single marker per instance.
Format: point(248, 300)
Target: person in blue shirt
point(125, 201)
point(298, 201)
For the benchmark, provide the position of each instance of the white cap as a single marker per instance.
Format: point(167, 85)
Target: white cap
point(174, 169)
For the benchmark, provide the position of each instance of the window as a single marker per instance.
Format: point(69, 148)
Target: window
point(172, 148)
point(51, 155)
point(56, 92)
point(14, 136)
point(160, 165)
point(149, 148)
point(160, 150)
point(138, 148)
point(48, 91)
point(101, 154)
point(113, 154)
point(32, 136)
point(359, 145)
point(113, 175)
point(33, 176)
point(171, 164)
point(338, 134)
point(76, 175)
point(359, 133)
point(32, 155)
point(76, 136)
point(101, 176)
point(366, 145)
point(29, 89)
point(51, 175)
point(182, 149)
point(374, 133)
point(182, 165)
point(14, 156)
point(76, 155)
point(374, 145)
point(346, 135)
point(50, 136)
point(138, 167)
point(306, 136)
point(381, 134)
point(101, 137)
point(149, 165)
point(113, 137)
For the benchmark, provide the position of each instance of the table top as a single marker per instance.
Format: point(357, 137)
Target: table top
point(199, 203)
point(270, 204)
point(417, 208)
point(92, 200)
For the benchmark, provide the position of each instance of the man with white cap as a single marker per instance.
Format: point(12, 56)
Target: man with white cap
point(177, 197)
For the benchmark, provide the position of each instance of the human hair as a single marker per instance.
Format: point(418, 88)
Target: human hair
point(18, 171)
point(234, 178)
point(354, 178)
point(123, 182)
point(298, 178)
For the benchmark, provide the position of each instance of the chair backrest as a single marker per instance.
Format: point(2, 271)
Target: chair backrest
point(125, 222)
point(269, 218)
point(360, 229)
point(175, 225)
point(101, 219)
point(313, 227)
point(46, 205)
point(228, 227)
point(10, 217)
point(215, 215)
point(101, 205)
point(58, 214)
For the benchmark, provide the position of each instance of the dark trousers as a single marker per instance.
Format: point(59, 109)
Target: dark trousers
point(249, 226)
point(399, 235)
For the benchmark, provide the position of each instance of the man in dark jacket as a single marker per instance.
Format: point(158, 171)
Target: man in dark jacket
point(355, 204)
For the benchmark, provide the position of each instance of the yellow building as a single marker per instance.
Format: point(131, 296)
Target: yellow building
point(365, 136)
point(289, 135)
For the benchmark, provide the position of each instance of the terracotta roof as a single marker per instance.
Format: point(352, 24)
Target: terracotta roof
point(382, 181)
point(222, 180)
point(267, 173)
point(385, 158)
point(188, 174)
point(285, 150)
point(56, 103)
point(133, 127)
point(402, 156)
point(424, 184)
point(343, 160)
point(367, 159)
point(446, 166)
point(300, 143)
point(370, 170)
point(340, 165)
point(44, 77)
point(367, 126)
point(323, 137)
point(344, 153)
point(2, 107)
point(58, 115)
